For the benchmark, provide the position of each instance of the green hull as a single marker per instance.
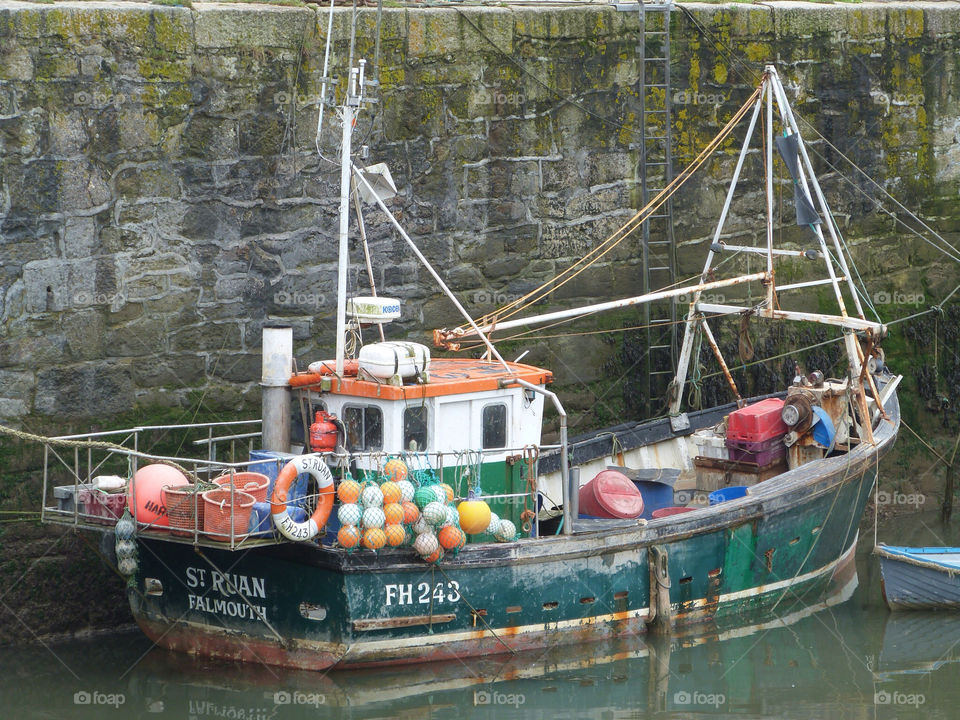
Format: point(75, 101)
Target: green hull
point(311, 607)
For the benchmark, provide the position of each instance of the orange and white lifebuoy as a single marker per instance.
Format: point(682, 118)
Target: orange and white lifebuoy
point(288, 527)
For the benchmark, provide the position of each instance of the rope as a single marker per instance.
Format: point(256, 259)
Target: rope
point(476, 614)
point(876, 502)
point(623, 231)
point(745, 344)
point(816, 541)
point(924, 443)
point(750, 76)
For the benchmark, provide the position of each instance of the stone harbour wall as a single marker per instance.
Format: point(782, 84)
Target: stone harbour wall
point(162, 197)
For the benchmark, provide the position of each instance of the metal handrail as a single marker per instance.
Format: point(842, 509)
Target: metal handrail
point(141, 428)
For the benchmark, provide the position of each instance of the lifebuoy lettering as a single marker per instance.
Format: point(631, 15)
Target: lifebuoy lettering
point(288, 527)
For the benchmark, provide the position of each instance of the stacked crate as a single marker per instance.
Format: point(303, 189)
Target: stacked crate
point(755, 433)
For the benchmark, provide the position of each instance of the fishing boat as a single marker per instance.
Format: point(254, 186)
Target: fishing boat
point(423, 517)
point(919, 578)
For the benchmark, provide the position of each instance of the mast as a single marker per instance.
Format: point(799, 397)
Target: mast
point(352, 100)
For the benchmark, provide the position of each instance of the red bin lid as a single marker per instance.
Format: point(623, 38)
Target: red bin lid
point(614, 493)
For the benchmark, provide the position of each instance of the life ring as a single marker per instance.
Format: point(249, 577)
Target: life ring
point(302, 531)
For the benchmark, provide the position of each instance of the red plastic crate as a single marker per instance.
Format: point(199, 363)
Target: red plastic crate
point(108, 506)
point(762, 453)
point(758, 422)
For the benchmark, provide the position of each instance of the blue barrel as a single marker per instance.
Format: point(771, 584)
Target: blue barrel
point(656, 495)
point(261, 522)
point(727, 493)
point(271, 465)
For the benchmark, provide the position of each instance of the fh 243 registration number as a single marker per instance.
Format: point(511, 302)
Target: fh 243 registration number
point(422, 593)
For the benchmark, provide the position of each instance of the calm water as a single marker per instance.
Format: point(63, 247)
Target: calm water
point(852, 660)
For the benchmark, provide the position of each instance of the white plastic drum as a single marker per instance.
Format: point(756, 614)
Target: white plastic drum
point(386, 359)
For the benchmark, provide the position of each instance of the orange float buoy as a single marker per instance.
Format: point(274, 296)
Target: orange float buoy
point(395, 534)
point(348, 536)
point(436, 556)
point(348, 492)
point(448, 490)
point(411, 513)
point(395, 469)
point(393, 512)
point(451, 537)
point(391, 492)
point(374, 538)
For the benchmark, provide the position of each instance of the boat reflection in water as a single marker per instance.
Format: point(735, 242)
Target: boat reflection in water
point(717, 670)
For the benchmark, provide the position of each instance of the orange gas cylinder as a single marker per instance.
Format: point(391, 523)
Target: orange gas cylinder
point(323, 432)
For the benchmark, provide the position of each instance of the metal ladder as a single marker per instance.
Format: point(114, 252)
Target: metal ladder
point(655, 172)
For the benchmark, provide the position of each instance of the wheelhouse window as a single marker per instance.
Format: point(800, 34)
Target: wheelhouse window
point(494, 426)
point(364, 428)
point(415, 428)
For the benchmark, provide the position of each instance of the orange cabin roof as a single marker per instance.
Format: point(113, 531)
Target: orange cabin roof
point(448, 376)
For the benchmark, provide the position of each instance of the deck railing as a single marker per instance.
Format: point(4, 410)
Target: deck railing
point(72, 474)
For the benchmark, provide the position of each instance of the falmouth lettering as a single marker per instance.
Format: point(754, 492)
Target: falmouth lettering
point(231, 608)
point(231, 588)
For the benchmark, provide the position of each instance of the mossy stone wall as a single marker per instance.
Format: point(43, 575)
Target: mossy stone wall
point(161, 197)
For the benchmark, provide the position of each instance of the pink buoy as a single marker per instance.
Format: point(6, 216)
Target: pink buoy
point(145, 496)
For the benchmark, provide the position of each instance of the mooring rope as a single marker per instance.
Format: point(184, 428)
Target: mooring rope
point(91, 444)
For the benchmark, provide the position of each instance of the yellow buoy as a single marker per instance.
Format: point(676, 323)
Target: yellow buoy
point(474, 516)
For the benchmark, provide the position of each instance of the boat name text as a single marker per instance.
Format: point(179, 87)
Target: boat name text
point(227, 585)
